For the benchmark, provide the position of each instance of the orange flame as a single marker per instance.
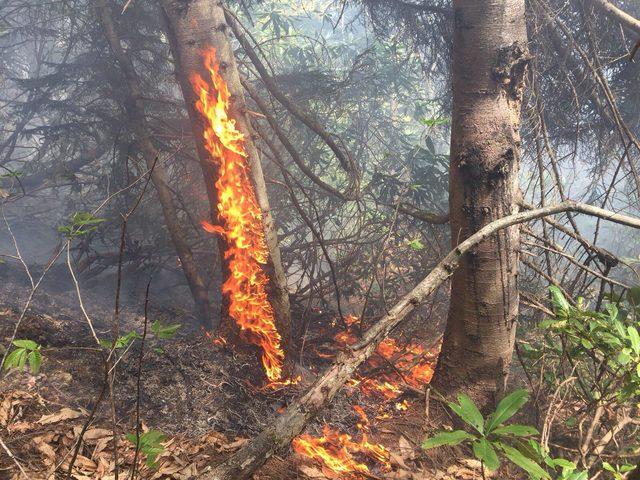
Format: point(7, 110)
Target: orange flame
point(240, 220)
point(335, 451)
point(413, 360)
point(394, 365)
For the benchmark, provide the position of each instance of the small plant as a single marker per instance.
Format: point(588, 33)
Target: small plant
point(605, 346)
point(491, 438)
point(434, 122)
point(26, 352)
point(121, 342)
point(150, 444)
point(618, 471)
point(415, 244)
point(80, 223)
point(164, 332)
point(159, 330)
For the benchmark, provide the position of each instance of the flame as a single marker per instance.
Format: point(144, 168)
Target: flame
point(412, 364)
point(395, 366)
point(240, 220)
point(335, 451)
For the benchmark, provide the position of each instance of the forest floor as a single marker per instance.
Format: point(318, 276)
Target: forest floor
point(205, 399)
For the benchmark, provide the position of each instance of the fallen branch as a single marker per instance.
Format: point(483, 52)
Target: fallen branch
point(292, 421)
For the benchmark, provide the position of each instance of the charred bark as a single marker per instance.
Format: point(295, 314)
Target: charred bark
point(489, 62)
point(195, 26)
point(135, 110)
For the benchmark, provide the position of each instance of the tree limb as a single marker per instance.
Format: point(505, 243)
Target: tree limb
point(616, 14)
point(343, 157)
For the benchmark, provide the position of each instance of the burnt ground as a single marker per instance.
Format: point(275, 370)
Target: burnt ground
point(205, 398)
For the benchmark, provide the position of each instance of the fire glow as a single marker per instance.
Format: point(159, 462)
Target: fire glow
point(409, 365)
point(412, 364)
point(239, 220)
point(336, 451)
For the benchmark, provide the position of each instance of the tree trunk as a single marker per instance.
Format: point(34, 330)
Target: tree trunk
point(489, 63)
point(134, 107)
point(195, 26)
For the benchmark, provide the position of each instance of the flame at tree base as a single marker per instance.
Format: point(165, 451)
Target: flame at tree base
point(239, 221)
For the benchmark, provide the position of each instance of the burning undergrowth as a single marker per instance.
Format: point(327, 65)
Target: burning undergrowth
point(192, 387)
point(381, 386)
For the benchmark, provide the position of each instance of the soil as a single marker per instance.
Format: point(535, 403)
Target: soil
point(204, 397)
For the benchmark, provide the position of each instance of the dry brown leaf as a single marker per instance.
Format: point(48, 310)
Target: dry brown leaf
point(84, 463)
point(462, 473)
point(101, 444)
point(397, 459)
point(10, 402)
point(5, 410)
point(229, 447)
point(43, 446)
point(64, 414)
point(96, 433)
point(105, 465)
point(406, 447)
point(312, 472)
point(400, 475)
point(20, 427)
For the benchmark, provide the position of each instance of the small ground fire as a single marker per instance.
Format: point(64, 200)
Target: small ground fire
point(386, 376)
point(239, 221)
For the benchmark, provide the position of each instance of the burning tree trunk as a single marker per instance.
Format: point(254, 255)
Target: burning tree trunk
point(489, 63)
point(208, 75)
point(135, 111)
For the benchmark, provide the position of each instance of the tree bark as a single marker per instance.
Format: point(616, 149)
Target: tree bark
point(194, 26)
point(489, 62)
point(286, 426)
point(135, 110)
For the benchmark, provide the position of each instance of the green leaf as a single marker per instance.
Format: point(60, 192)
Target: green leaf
point(623, 357)
point(22, 359)
point(634, 336)
point(560, 304)
point(12, 359)
point(586, 343)
point(534, 470)
point(507, 408)
point(561, 462)
point(447, 438)
point(35, 360)
point(633, 296)
point(578, 476)
point(468, 412)
point(415, 244)
point(122, 341)
point(516, 430)
point(149, 443)
point(152, 437)
point(433, 122)
point(483, 450)
point(28, 344)
point(164, 332)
